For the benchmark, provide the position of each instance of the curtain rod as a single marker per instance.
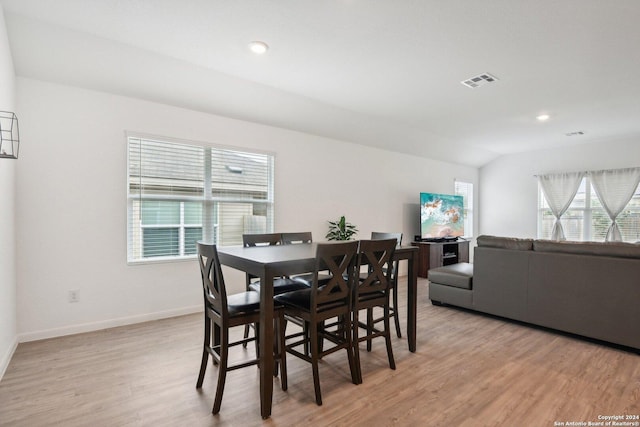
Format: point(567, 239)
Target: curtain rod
point(586, 172)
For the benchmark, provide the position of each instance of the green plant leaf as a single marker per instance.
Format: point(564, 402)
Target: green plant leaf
point(341, 230)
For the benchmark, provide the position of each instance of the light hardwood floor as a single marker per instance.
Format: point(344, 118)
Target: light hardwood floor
point(469, 370)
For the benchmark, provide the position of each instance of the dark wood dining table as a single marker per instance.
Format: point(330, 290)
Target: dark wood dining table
point(267, 262)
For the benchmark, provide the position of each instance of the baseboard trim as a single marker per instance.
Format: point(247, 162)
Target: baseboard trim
point(105, 324)
point(6, 358)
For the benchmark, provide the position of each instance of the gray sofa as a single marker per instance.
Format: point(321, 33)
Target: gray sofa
point(585, 288)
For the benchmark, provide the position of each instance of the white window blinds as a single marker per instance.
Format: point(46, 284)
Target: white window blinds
point(586, 218)
point(179, 193)
point(465, 189)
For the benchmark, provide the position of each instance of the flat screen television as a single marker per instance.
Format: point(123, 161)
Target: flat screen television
point(441, 216)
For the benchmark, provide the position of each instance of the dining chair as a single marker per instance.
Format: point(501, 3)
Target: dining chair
point(323, 302)
point(293, 238)
point(280, 284)
point(373, 292)
point(298, 238)
point(222, 312)
point(261, 239)
point(394, 279)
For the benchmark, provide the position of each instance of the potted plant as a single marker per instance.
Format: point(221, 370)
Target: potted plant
point(341, 230)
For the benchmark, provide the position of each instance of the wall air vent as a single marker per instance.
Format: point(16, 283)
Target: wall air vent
point(480, 80)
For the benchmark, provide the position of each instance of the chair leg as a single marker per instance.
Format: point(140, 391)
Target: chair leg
point(256, 329)
point(282, 350)
point(387, 337)
point(205, 353)
point(305, 329)
point(246, 335)
point(276, 343)
point(314, 363)
point(396, 316)
point(356, 350)
point(246, 327)
point(320, 327)
point(369, 327)
point(276, 347)
point(216, 341)
point(222, 369)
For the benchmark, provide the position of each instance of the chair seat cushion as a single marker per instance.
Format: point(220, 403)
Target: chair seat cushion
point(302, 299)
point(457, 275)
point(243, 302)
point(307, 279)
point(280, 285)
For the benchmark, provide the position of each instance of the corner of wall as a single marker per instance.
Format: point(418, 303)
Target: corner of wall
point(6, 358)
point(8, 304)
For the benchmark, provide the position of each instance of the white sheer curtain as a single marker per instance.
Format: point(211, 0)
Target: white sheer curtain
point(614, 189)
point(559, 190)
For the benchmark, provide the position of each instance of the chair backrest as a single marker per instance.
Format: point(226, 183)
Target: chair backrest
point(291, 238)
point(376, 235)
point(267, 239)
point(341, 261)
point(213, 287)
point(378, 256)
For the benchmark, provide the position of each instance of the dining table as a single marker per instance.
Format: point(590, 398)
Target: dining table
point(267, 262)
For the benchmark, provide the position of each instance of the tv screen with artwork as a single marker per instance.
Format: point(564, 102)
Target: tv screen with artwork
point(441, 216)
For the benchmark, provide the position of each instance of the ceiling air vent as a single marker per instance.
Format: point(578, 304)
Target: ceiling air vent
point(480, 80)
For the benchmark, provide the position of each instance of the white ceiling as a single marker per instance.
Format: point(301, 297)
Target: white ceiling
point(384, 73)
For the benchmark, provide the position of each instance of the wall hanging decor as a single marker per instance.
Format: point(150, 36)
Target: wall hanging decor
point(9, 135)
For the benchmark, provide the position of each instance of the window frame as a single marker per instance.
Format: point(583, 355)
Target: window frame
point(210, 215)
point(592, 209)
point(468, 204)
point(181, 226)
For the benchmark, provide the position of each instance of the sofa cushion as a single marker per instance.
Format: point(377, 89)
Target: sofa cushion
point(457, 275)
point(612, 249)
point(505, 243)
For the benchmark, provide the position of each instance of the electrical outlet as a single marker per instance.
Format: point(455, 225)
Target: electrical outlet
point(74, 295)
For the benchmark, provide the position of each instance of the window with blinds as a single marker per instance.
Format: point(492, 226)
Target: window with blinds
point(179, 193)
point(465, 189)
point(586, 219)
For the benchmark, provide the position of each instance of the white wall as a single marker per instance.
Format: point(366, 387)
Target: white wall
point(72, 202)
point(7, 213)
point(508, 189)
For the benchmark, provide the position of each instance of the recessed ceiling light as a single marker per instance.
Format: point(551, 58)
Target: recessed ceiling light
point(542, 117)
point(258, 47)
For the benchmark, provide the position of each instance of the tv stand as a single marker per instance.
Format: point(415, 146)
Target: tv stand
point(437, 239)
point(436, 254)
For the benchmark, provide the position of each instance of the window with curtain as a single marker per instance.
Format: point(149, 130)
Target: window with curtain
point(465, 189)
point(179, 193)
point(586, 219)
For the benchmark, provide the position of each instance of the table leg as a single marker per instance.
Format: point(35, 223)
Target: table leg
point(412, 302)
point(266, 344)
